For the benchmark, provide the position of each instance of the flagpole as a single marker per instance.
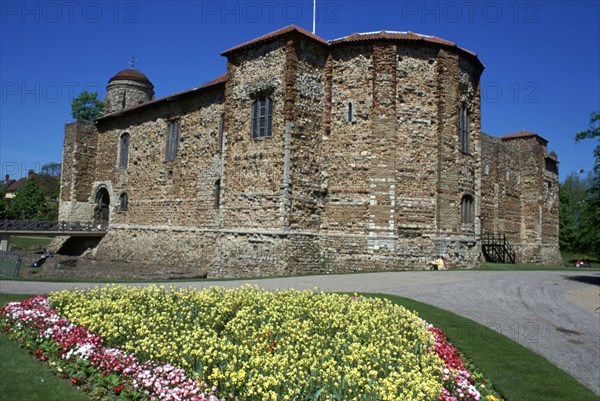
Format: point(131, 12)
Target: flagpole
point(314, 16)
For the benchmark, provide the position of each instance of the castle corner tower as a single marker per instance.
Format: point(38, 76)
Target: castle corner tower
point(126, 89)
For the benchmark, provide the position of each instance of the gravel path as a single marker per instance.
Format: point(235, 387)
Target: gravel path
point(542, 310)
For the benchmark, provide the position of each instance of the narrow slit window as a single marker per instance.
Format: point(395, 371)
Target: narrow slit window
point(172, 140)
point(221, 132)
point(463, 130)
point(123, 202)
point(350, 112)
point(217, 194)
point(123, 150)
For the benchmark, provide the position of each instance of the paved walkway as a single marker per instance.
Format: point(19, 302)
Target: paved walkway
point(532, 308)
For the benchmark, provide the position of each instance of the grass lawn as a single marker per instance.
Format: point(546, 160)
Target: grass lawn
point(26, 244)
point(516, 372)
point(24, 378)
point(487, 266)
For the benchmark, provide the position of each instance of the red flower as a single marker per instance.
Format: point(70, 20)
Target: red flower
point(118, 389)
point(40, 355)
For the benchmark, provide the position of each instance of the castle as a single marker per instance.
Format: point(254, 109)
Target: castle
point(356, 154)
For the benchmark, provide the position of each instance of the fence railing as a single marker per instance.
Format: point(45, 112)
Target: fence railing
point(50, 226)
point(10, 263)
point(497, 249)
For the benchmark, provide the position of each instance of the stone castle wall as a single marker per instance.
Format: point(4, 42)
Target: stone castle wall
point(520, 196)
point(253, 171)
point(161, 192)
point(303, 138)
point(78, 171)
point(363, 170)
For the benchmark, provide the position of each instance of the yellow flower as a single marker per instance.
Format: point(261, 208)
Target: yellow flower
point(268, 345)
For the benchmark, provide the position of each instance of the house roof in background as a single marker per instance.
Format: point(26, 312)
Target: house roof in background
point(48, 183)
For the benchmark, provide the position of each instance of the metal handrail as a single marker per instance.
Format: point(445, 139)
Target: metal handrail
point(50, 226)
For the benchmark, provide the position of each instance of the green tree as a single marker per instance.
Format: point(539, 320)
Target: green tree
point(589, 235)
point(574, 193)
point(31, 203)
point(574, 196)
point(589, 224)
point(568, 237)
point(52, 169)
point(2, 206)
point(87, 106)
point(593, 133)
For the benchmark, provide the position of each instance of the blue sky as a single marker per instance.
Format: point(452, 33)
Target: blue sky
point(542, 58)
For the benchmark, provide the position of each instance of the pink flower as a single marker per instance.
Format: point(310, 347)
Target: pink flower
point(165, 382)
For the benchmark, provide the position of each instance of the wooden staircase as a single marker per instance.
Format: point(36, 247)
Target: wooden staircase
point(497, 249)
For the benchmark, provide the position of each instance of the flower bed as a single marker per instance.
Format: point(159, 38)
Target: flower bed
point(156, 344)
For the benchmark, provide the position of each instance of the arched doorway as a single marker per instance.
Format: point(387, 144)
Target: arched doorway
point(101, 208)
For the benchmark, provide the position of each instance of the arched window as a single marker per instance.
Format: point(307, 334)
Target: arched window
point(172, 140)
point(217, 193)
point(467, 209)
point(262, 116)
point(124, 150)
point(463, 130)
point(123, 202)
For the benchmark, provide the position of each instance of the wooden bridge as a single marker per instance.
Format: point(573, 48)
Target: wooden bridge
point(51, 228)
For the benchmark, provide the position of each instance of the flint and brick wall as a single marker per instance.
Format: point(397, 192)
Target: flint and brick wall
point(329, 191)
point(162, 193)
point(253, 174)
point(520, 197)
point(78, 171)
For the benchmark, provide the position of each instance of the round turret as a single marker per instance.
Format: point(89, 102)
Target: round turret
point(126, 89)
